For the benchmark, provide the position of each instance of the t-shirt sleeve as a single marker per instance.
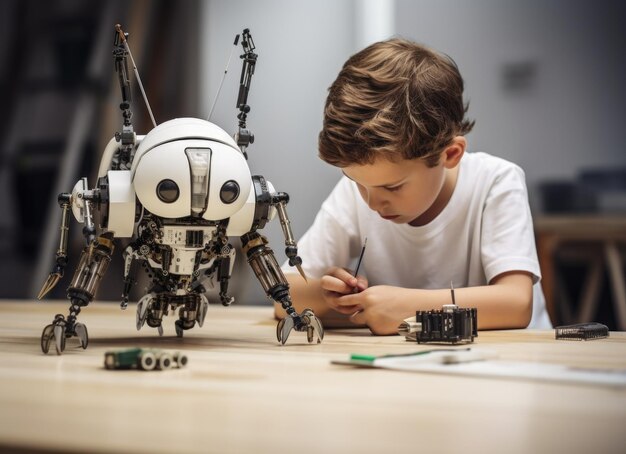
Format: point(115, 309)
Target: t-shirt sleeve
point(507, 236)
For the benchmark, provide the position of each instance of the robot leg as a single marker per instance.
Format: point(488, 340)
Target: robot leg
point(263, 262)
point(193, 309)
point(94, 261)
point(150, 309)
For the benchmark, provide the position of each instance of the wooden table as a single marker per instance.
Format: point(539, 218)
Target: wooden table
point(608, 234)
point(243, 392)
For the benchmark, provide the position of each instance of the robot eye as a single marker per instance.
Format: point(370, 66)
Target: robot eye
point(167, 191)
point(229, 191)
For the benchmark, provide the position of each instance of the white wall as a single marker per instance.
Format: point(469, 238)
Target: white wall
point(571, 114)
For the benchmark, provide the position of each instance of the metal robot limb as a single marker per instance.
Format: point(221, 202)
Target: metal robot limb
point(224, 263)
point(224, 271)
point(61, 255)
point(152, 307)
point(280, 201)
point(263, 262)
point(130, 266)
point(94, 261)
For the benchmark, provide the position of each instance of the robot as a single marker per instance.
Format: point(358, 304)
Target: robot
point(178, 194)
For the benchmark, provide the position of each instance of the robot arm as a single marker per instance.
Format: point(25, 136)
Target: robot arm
point(61, 254)
point(92, 266)
point(280, 201)
point(79, 202)
point(263, 262)
point(262, 205)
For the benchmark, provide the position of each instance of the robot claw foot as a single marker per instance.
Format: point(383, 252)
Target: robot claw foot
point(182, 325)
point(307, 321)
point(59, 330)
point(143, 308)
point(51, 282)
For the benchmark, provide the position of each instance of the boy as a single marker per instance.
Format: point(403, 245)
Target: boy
point(433, 215)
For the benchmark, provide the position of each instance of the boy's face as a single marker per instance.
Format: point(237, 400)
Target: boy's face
point(401, 191)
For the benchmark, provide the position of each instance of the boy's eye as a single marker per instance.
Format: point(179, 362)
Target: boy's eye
point(394, 189)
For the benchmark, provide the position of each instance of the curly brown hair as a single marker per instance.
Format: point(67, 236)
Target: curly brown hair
point(396, 99)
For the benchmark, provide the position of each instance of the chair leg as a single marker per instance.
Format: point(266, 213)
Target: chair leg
point(616, 273)
point(591, 289)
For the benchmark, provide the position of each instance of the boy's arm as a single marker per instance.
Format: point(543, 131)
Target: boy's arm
point(504, 304)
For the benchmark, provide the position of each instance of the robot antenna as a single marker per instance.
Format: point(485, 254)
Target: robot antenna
point(244, 136)
point(219, 89)
point(122, 38)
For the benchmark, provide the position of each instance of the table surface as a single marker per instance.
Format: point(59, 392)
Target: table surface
point(583, 226)
point(243, 392)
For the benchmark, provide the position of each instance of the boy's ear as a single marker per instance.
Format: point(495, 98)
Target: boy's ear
point(454, 152)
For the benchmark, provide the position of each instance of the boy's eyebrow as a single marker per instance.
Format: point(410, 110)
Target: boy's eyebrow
point(388, 185)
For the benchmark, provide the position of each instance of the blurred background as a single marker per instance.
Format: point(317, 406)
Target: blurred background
point(544, 78)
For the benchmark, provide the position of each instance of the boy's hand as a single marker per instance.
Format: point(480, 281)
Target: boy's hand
point(381, 308)
point(336, 284)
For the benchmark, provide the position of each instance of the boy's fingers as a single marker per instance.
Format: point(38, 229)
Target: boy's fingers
point(344, 275)
point(333, 299)
point(351, 299)
point(347, 310)
point(334, 284)
point(361, 284)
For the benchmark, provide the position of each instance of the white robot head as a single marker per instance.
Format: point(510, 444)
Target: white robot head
point(190, 167)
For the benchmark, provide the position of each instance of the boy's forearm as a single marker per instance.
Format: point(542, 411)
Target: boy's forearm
point(506, 304)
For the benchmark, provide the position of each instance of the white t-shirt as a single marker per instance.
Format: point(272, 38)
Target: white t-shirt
point(485, 229)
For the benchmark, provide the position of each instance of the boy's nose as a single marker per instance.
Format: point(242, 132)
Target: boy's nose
point(374, 201)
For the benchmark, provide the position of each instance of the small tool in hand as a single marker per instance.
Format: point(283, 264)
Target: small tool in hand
point(358, 264)
point(356, 270)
